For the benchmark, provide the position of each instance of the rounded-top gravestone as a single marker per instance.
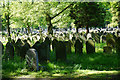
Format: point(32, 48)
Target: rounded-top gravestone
point(32, 59)
point(78, 46)
point(9, 52)
point(90, 46)
point(61, 51)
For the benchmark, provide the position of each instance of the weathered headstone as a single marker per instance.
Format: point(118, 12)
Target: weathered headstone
point(90, 46)
point(118, 45)
point(24, 49)
point(54, 44)
point(68, 46)
point(110, 40)
point(18, 46)
point(78, 46)
point(1, 48)
point(32, 59)
point(45, 50)
point(103, 39)
point(60, 51)
point(9, 51)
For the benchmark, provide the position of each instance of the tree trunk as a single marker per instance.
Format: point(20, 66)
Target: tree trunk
point(77, 29)
point(8, 26)
point(48, 18)
point(87, 30)
point(28, 28)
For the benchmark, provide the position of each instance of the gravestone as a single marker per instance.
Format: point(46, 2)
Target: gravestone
point(68, 46)
point(45, 50)
point(103, 39)
point(1, 47)
point(78, 46)
point(24, 49)
point(118, 45)
point(110, 40)
point(32, 59)
point(107, 49)
point(61, 51)
point(9, 51)
point(18, 46)
point(54, 44)
point(90, 46)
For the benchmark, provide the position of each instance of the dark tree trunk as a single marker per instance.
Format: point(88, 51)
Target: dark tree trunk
point(28, 28)
point(77, 29)
point(87, 30)
point(48, 18)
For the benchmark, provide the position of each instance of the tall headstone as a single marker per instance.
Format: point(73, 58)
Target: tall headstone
point(68, 46)
point(24, 49)
point(78, 46)
point(18, 46)
point(9, 52)
point(118, 45)
point(61, 51)
point(32, 59)
point(45, 50)
point(90, 46)
point(54, 44)
point(1, 48)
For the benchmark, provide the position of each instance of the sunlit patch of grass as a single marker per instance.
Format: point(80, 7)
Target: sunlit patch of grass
point(91, 65)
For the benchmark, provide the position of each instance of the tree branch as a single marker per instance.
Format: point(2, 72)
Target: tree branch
point(62, 11)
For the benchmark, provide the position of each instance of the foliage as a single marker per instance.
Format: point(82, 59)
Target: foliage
point(88, 14)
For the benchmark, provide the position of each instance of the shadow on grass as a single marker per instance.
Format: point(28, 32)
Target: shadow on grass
point(76, 66)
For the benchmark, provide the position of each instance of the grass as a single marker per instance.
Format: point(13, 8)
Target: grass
point(84, 66)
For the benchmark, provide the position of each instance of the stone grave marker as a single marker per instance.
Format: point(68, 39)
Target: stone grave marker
point(107, 49)
point(24, 49)
point(61, 51)
point(9, 51)
point(45, 50)
point(54, 44)
point(118, 45)
point(32, 59)
point(78, 46)
point(68, 46)
point(1, 48)
point(90, 46)
point(18, 46)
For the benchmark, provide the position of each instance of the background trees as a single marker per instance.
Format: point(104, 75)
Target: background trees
point(88, 14)
point(18, 14)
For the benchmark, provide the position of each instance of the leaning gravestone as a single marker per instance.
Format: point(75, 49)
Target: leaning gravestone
point(90, 46)
point(1, 48)
point(9, 52)
point(24, 49)
point(32, 59)
point(78, 46)
point(60, 51)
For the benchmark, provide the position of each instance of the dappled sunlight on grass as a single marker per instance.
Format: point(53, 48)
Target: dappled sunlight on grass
point(92, 65)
